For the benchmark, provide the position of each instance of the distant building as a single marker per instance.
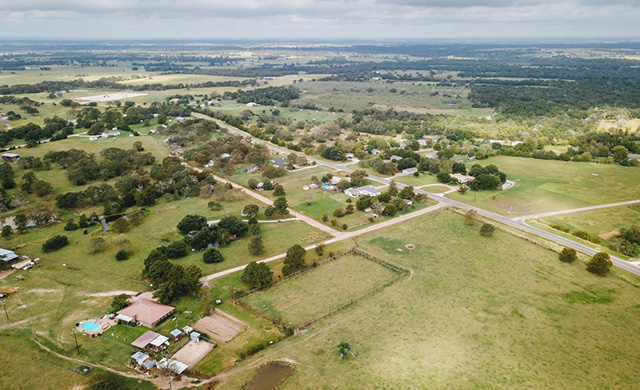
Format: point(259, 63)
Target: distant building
point(151, 341)
point(143, 360)
point(364, 190)
point(516, 143)
point(632, 156)
point(375, 152)
point(410, 171)
point(225, 155)
point(148, 313)
point(508, 184)
point(11, 157)
point(174, 101)
point(7, 255)
point(180, 119)
point(172, 365)
point(252, 104)
point(462, 178)
point(394, 157)
point(252, 169)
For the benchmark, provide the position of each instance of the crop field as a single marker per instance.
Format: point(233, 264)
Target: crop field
point(304, 297)
point(495, 312)
point(548, 185)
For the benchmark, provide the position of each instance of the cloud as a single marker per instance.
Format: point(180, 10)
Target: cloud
point(318, 18)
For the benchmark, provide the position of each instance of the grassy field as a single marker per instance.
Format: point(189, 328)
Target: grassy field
point(477, 313)
point(421, 180)
point(305, 297)
point(547, 185)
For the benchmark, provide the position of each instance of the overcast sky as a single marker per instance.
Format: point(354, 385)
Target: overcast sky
point(361, 19)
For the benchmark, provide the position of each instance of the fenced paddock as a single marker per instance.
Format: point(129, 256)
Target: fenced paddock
point(315, 293)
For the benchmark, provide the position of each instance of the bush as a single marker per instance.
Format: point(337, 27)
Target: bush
point(212, 256)
point(71, 225)
point(560, 227)
point(55, 243)
point(600, 264)
point(122, 255)
point(487, 230)
point(568, 255)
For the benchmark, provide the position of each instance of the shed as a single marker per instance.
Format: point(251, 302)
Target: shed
point(159, 341)
point(11, 157)
point(195, 337)
point(176, 334)
point(172, 365)
point(410, 171)
point(7, 255)
point(144, 341)
point(187, 329)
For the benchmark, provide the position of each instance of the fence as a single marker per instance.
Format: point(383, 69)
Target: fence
point(403, 272)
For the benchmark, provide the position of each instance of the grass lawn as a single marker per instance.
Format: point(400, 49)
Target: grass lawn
point(548, 185)
point(421, 180)
point(304, 297)
point(477, 313)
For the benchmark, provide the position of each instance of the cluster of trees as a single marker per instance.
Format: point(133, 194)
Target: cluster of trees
point(600, 263)
point(54, 129)
point(169, 279)
point(220, 234)
point(627, 241)
point(265, 96)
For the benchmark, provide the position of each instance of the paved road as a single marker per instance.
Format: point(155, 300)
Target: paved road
point(517, 223)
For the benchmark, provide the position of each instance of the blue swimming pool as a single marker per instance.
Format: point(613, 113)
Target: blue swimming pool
point(91, 326)
point(326, 187)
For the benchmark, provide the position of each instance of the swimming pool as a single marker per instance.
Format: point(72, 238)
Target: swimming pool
point(326, 187)
point(91, 326)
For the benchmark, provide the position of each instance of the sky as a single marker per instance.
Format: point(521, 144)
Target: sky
point(318, 19)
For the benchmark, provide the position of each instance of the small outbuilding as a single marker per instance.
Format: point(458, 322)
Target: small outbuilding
point(10, 157)
point(195, 337)
point(410, 171)
point(7, 255)
point(176, 334)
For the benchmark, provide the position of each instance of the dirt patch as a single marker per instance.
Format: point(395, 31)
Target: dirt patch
point(112, 96)
point(5, 273)
point(220, 326)
point(192, 353)
point(608, 235)
point(113, 293)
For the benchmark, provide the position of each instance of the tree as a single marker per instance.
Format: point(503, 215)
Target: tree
point(269, 211)
point(122, 255)
point(250, 210)
point(294, 260)
point(407, 193)
point(120, 225)
point(71, 225)
point(568, 255)
point(6, 231)
point(279, 191)
point(445, 154)
point(281, 205)
point(487, 230)
point(444, 177)
point(212, 256)
point(119, 302)
point(470, 217)
point(600, 264)
point(256, 247)
point(55, 243)
point(192, 223)
point(619, 153)
point(257, 274)
point(41, 214)
point(42, 188)
point(345, 350)
point(97, 244)
point(7, 176)
point(138, 146)
point(21, 223)
point(176, 250)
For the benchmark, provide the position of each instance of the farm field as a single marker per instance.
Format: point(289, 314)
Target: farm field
point(547, 185)
point(304, 297)
point(498, 312)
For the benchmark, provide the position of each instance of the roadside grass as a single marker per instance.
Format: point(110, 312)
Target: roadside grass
point(478, 312)
point(436, 189)
point(304, 297)
point(421, 180)
point(548, 185)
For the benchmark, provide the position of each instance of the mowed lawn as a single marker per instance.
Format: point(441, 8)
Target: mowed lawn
point(547, 185)
point(306, 296)
point(477, 313)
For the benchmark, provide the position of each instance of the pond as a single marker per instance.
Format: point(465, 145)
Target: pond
point(270, 377)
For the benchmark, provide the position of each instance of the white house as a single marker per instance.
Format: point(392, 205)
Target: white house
point(410, 171)
point(364, 190)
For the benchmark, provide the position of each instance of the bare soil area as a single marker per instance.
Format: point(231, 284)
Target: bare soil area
point(220, 326)
point(192, 353)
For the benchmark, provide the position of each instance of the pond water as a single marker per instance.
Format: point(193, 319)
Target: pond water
point(270, 377)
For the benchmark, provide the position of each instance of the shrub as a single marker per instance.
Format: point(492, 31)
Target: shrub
point(568, 255)
point(560, 227)
point(192, 223)
point(55, 243)
point(487, 230)
point(176, 250)
point(122, 255)
point(71, 225)
point(600, 264)
point(212, 256)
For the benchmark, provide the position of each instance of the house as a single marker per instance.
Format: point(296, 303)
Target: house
point(410, 171)
point(497, 141)
point(394, 157)
point(335, 180)
point(172, 365)
point(225, 155)
point(143, 360)
point(516, 143)
point(176, 334)
point(180, 119)
point(462, 178)
point(630, 156)
point(111, 134)
point(252, 169)
point(408, 202)
point(349, 155)
point(146, 312)
point(278, 162)
point(422, 142)
point(7, 255)
point(151, 340)
point(375, 152)
point(364, 190)
point(253, 104)
point(10, 157)
point(174, 101)
point(214, 102)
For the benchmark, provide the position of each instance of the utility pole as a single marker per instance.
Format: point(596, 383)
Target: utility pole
point(4, 305)
point(76, 338)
